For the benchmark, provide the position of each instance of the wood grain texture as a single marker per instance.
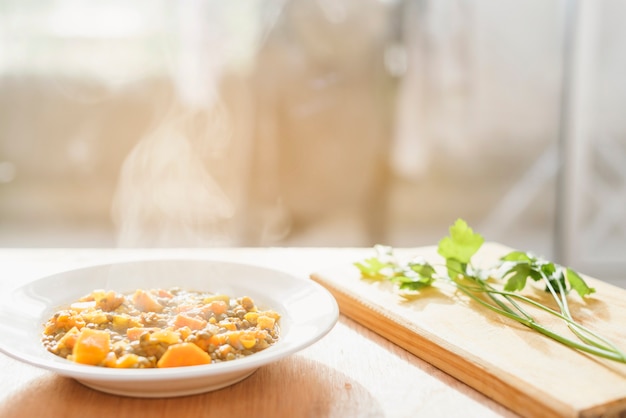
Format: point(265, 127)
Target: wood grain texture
point(525, 371)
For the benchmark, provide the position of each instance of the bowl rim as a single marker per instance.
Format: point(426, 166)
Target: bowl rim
point(282, 348)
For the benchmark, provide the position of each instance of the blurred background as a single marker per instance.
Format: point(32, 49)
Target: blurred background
point(315, 123)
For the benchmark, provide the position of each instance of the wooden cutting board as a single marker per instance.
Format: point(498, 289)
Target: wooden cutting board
point(523, 370)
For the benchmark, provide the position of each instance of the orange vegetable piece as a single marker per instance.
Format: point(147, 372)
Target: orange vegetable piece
point(217, 339)
point(184, 308)
point(166, 336)
point(248, 340)
point(64, 320)
point(241, 339)
point(165, 293)
point(187, 321)
point(265, 322)
point(126, 361)
point(145, 302)
point(218, 307)
point(231, 326)
point(91, 347)
point(183, 354)
point(233, 339)
point(134, 333)
point(69, 339)
point(108, 301)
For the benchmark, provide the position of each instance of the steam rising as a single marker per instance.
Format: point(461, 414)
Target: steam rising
point(167, 197)
point(170, 189)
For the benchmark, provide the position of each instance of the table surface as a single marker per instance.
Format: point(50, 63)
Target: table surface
point(351, 372)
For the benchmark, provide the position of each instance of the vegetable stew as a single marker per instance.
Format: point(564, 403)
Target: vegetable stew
point(159, 328)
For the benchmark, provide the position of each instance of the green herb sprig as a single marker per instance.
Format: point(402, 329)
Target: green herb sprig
point(513, 270)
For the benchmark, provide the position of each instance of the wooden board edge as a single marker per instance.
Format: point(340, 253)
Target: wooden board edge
point(614, 409)
point(452, 363)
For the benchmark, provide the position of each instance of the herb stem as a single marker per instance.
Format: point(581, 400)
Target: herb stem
point(484, 287)
point(591, 349)
point(583, 333)
point(579, 329)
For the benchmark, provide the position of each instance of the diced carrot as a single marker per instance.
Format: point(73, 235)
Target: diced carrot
point(203, 343)
point(231, 326)
point(145, 302)
point(91, 346)
point(183, 354)
point(218, 307)
point(184, 308)
point(233, 339)
point(164, 294)
point(64, 320)
point(110, 359)
point(241, 339)
point(187, 321)
point(126, 361)
point(69, 339)
point(134, 333)
point(217, 339)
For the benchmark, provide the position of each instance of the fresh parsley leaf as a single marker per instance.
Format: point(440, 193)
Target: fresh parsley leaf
point(549, 269)
point(456, 268)
point(373, 268)
point(418, 274)
point(462, 243)
point(518, 274)
point(578, 283)
point(414, 275)
point(423, 269)
point(517, 256)
point(409, 280)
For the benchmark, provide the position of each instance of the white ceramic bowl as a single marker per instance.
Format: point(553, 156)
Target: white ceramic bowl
point(308, 312)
